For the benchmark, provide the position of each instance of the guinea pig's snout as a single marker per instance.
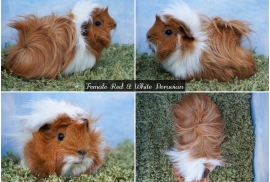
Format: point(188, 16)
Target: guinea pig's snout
point(148, 36)
point(113, 25)
point(82, 152)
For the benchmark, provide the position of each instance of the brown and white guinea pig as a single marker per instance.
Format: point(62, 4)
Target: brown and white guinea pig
point(64, 44)
point(198, 123)
point(190, 45)
point(58, 137)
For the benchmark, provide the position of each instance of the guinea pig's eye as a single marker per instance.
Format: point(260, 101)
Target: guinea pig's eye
point(98, 23)
point(168, 32)
point(60, 136)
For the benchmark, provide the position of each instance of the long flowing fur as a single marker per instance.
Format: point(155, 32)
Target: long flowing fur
point(81, 151)
point(225, 58)
point(65, 44)
point(41, 50)
point(200, 128)
point(200, 47)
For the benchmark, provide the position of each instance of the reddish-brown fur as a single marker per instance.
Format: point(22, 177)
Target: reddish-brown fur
point(224, 60)
point(166, 45)
point(227, 58)
point(198, 123)
point(99, 37)
point(44, 154)
point(46, 46)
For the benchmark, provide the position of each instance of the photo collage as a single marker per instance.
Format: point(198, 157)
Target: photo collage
point(135, 91)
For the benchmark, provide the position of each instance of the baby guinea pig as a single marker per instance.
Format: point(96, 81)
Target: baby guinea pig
point(193, 46)
point(58, 137)
point(63, 44)
point(200, 128)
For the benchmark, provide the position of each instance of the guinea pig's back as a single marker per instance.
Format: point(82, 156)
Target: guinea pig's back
point(231, 58)
point(198, 122)
point(40, 46)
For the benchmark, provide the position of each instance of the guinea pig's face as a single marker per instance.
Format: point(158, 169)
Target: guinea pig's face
point(98, 33)
point(74, 145)
point(165, 37)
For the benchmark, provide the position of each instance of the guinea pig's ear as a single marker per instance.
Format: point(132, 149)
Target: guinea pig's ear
point(107, 9)
point(206, 172)
point(86, 121)
point(186, 33)
point(158, 19)
point(45, 127)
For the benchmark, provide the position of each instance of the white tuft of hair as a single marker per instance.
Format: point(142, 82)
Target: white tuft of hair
point(188, 168)
point(46, 111)
point(190, 64)
point(83, 59)
point(180, 11)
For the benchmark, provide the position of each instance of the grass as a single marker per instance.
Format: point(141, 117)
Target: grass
point(148, 68)
point(155, 135)
point(119, 167)
point(116, 63)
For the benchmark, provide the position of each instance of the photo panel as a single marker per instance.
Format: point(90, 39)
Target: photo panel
point(59, 136)
point(202, 136)
point(222, 47)
point(57, 46)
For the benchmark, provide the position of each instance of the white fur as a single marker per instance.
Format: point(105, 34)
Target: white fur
point(83, 59)
point(44, 111)
point(112, 32)
point(153, 47)
point(180, 10)
point(190, 64)
point(187, 66)
point(47, 110)
point(190, 169)
point(70, 167)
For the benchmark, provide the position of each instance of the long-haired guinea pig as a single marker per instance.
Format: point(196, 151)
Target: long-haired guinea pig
point(61, 138)
point(190, 45)
point(64, 44)
point(200, 128)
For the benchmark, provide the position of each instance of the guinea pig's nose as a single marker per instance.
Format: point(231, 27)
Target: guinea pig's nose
point(82, 152)
point(115, 24)
point(148, 36)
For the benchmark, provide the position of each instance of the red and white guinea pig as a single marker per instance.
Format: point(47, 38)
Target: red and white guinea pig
point(58, 137)
point(190, 45)
point(200, 128)
point(64, 44)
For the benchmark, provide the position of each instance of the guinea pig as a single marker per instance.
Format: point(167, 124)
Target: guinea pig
point(63, 44)
point(193, 46)
point(61, 138)
point(198, 123)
